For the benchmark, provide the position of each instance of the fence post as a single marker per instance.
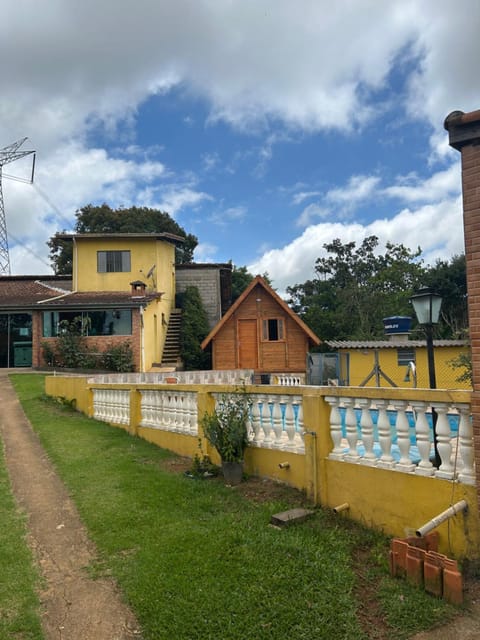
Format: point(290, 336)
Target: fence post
point(135, 411)
point(318, 444)
point(205, 404)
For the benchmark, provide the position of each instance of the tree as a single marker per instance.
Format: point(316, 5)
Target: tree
point(241, 278)
point(103, 219)
point(194, 329)
point(449, 279)
point(356, 287)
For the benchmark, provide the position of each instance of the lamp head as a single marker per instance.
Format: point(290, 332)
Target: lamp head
point(426, 304)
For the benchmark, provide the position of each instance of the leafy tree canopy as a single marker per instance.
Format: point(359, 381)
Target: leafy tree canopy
point(449, 279)
point(103, 219)
point(356, 287)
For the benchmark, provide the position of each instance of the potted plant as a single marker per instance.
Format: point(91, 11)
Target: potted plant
point(226, 428)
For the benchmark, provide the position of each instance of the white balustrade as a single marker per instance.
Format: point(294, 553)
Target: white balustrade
point(275, 421)
point(112, 405)
point(363, 433)
point(169, 410)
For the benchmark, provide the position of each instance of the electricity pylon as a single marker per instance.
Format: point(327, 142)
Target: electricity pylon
point(9, 154)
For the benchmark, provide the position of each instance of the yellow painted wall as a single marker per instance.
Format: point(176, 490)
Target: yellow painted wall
point(395, 502)
point(362, 362)
point(144, 253)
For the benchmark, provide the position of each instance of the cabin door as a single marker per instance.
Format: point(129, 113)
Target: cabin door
point(247, 344)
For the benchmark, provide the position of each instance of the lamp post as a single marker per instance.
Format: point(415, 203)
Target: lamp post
point(426, 305)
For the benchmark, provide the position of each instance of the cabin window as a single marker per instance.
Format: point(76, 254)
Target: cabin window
point(273, 329)
point(405, 356)
point(113, 261)
point(109, 322)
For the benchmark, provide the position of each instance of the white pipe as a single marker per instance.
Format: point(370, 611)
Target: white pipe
point(341, 507)
point(445, 515)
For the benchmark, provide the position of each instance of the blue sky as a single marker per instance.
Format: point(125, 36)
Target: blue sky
point(266, 128)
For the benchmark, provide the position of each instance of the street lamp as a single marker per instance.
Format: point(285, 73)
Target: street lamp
point(426, 305)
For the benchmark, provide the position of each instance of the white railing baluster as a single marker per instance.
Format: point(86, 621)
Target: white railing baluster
point(352, 432)
point(422, 433)
point(402, 428)
point(444, 442)
point(466, 451)
point(386, 460)
point(366, 426)
point(337, 452)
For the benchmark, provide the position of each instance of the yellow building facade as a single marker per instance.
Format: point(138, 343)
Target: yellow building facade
point(138, 266)
point(401, 362)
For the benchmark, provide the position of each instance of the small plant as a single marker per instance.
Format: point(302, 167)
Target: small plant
point(202, 467)
point(226, 428)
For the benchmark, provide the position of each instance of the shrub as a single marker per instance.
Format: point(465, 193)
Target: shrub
point(194, 329)
point(118, 358)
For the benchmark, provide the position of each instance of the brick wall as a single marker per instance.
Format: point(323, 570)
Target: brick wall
point(464, 135)
point(95, 343)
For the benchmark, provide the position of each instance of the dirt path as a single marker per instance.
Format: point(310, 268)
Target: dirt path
point(73, 606)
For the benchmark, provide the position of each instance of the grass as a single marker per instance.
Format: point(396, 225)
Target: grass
point(19, 603)
point(197, 560)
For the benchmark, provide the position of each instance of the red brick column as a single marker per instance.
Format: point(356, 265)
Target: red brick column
point(464, 135)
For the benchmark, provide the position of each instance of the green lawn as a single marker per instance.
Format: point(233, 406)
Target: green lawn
point(196, 560)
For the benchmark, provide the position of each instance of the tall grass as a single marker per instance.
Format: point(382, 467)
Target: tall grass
point(196, 560)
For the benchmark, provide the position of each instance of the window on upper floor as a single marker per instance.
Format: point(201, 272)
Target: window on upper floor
point(273, 329)
point(113, 261)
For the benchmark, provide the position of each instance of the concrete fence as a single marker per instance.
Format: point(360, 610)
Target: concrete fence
point(367, 451)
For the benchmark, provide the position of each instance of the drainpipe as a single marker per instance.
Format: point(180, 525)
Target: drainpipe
point(142, 342)
point(445, 515)
point(313, 434)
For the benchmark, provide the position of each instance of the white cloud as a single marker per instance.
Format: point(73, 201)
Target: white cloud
point(437, 229)
point(304, 66)
point(178, 197)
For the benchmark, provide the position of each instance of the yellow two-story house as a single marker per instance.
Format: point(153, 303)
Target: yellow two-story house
point(122, 288)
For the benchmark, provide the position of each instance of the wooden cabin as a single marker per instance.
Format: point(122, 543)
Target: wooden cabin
point(262, 333)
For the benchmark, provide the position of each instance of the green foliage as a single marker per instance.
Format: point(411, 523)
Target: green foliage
point(463, 361)
point(449, 279)
point(72, 351)
point(194, 329)
point(118, 358)
point(241, 278)
point(103, 219)
point(356, 287)
point(202, 467)
point(226, 428)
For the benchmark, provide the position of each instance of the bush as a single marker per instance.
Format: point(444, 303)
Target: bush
point(194, 329)
point(118, 358)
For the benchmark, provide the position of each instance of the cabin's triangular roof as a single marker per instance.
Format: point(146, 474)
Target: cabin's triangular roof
point(258, 280)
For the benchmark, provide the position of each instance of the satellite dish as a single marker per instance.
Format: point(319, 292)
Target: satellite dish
point(150, 271)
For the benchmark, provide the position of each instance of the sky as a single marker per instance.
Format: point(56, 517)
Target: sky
point(267, 128)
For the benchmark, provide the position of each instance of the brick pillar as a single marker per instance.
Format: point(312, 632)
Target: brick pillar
point(464, 135)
